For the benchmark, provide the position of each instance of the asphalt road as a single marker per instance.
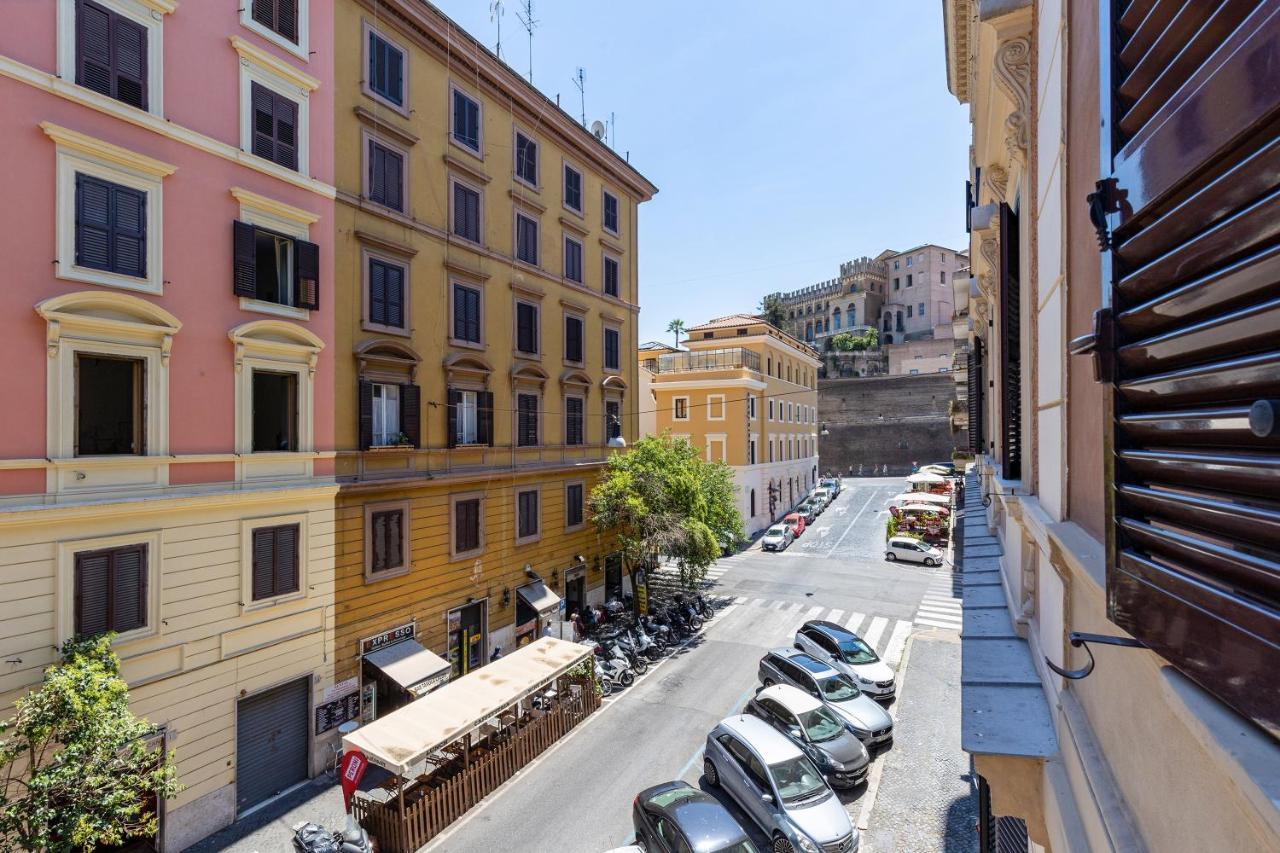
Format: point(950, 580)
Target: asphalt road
point(576, 798)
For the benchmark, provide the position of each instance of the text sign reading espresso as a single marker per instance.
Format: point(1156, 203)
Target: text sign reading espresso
point(386, 638)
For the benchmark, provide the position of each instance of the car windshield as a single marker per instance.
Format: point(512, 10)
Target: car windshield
point(837, 688)
point(821, 725)
point(797, 779)
point(777, 530)
point(854, 650)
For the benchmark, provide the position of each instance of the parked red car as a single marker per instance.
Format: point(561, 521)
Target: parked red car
point(795, 521)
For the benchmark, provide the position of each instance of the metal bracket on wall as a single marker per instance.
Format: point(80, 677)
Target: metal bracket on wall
point(1081, 640)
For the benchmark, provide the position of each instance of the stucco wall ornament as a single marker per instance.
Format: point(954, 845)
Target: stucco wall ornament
point(996, 181)
point(1013, 76)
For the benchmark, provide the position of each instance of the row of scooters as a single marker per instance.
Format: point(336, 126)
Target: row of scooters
point(626, 644)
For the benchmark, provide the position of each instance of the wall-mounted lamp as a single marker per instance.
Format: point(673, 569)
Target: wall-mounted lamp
point(529, 572)
point(824, 430)
point(1082, 640)
point(580, 559)
point(506, 596)
point(555, 578)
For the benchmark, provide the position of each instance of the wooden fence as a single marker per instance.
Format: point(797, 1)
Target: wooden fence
point(425, 818)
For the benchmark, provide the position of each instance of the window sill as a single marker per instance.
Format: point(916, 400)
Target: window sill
point(574, 212)
point(461, 146)
point(299, 50)
point(386, 330)
point(384, 101)
point(527, 356)
point(263, 604)
point(391, 448)
point(528, 540)
point(261, 306)
point(370, 576)
point(110, 279)
point(575, 528)
point(466, 555)
point(533, 188)
point(454, 342)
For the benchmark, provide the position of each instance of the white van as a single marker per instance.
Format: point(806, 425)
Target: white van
point(912, 550)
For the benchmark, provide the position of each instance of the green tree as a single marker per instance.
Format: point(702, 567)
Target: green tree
point(849, 342)
point(676, 327)
point(772, 311)
point(661, 498)
point(75, 771)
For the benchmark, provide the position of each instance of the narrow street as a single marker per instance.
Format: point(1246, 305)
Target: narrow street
point(578, 796)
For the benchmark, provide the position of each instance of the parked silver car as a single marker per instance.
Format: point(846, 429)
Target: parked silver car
point(777, 538)
point(778, 787)
point(817, 730)
point(865, 716)
point(846, 652)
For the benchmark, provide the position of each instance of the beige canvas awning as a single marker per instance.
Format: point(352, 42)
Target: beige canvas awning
point(403, 738)
point(408, 664)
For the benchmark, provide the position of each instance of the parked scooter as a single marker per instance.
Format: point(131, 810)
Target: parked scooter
point(612, 671)
point(645, 644)
point(658, 631)
point(616, 648)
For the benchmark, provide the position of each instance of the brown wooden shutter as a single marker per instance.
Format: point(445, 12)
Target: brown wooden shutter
point(264, 572)
point(128, 589)
point(1187, 339)
point(307, 274)
point(286, 562)
point(92, 593)
point(129, 41)
point(1010, 346)
point(977, 388)
point(244, 281)
point(411, 413)
point(365, 409)
point(451, 416)
point(484, 417)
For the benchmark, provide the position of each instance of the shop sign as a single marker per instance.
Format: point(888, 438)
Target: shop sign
point(330, 715)
point(387, 638)
point(342, 688)
point(641, 589)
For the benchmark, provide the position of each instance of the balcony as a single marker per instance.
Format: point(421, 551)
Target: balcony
point(735, 358)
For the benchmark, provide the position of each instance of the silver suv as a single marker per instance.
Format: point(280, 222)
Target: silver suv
point(865, 716)
point(847, 652)
point(777, 786)
point(817, 730)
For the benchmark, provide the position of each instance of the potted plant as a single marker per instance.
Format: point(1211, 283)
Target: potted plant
point(399, 441)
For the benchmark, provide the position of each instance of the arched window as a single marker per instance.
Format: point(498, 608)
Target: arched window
point(835, 318)
point(852, 315)
point(888, 322)
point(808, 331)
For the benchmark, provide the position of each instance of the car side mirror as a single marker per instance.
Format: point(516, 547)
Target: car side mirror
point(767, 798)
point(793, 731)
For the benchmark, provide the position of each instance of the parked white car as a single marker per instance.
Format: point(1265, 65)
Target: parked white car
point(826, 495)
point(777, 538)
point(912, 550)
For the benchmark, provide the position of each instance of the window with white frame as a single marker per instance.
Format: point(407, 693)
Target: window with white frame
point(109, 212)
point(275, 388)
point(109, 583)
point(609, 214)
point(715, 407)
point(468, 417)
point(385, 79)
point(466, 128)
point(282, 22)
point(386, 414)
point(572, 188)
point(114, 48)
point(526, 162)
point(751, 407)
point(275, 108)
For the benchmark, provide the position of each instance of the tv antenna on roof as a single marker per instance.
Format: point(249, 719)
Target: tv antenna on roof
point(580, 80)
point(530, 23)
point(495, 16)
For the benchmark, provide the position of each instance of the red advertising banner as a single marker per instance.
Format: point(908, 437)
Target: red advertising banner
point(352, 769)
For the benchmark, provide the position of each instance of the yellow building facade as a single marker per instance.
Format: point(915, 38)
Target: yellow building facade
point(486, 260)
point(743, 393)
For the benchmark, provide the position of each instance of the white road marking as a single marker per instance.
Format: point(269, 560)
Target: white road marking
point(935, 623)
point(834, 616)
point(875, 630)
point(852, 522)
point(940, 613)
point(897, 641)
point(812, 613)
point(854, 621)
point(757, 602)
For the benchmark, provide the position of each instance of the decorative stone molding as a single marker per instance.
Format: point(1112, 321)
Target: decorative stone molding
point(996, 181)
point(1013, 76)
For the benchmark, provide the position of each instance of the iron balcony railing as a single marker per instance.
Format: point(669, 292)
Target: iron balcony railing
point(713, 359)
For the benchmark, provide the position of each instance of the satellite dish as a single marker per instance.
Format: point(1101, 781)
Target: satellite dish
point(597, 127)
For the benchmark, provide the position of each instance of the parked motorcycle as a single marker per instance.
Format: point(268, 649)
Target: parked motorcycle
point(612, 671)
point(658, 631)
point(618, 648)
point(645, 644)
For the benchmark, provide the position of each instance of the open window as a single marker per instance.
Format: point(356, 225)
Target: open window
point(110, 400)
point(275, 411)
point(390, 401)
point(276, 268)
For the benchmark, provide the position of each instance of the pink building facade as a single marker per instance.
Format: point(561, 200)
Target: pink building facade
point(166, 458)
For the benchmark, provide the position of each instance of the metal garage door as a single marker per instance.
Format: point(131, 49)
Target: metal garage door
point(271, 742)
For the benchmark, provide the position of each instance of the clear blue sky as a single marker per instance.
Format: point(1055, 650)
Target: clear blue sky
point(783, 137)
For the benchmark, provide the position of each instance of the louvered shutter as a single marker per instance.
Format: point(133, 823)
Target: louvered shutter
point(484, 418)
point(395, 296)
point(395, 75)
point(286, 562)
point(129, 40)
point(451, 416)
point(307, 274)
point(411, 413)
point(573, 339)
point(264, 572)
point(1187, 338)
point(244, 281)
point(394, 555)
point(394, 165)
point(93, 47)
point(1010, 345)
point(977, 388)
point(459, 312)
point(365, 409)
point(263, 103)
point(93, 222)
point(378, 292)
point(287, 19)
point(286, 131)
point(128, 589)
point(128, 231)
point(92, 593)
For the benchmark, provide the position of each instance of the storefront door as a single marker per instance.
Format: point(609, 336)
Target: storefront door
point(575, 595)
point(467, 638)
point(613, 577)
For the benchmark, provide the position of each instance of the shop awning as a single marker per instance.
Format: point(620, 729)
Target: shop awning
point(405, 737)
point(413, 667)
point(919, 497)
point(541, 599)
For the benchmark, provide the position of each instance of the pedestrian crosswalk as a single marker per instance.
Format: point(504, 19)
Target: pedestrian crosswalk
point(887, 636)
point(941, 605)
